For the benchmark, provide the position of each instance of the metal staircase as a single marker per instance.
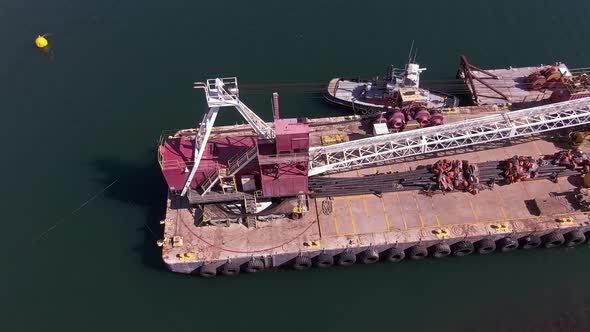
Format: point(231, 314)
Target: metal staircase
point(386, 148)
point(249, 209)
point(234, 165)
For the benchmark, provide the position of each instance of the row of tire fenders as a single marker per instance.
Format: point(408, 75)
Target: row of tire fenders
point(416, 252)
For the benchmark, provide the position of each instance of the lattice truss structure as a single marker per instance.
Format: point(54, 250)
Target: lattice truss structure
point(386, 148)
point(222, 92)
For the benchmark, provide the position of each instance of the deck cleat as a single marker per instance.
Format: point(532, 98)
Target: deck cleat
point(441, 233)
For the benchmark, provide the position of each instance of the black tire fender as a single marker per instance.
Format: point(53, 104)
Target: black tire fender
point(485, 246)
point(394, 254)
point(324, 260)
point(208, 271)
point(462, 248)
point(254, 266)
point(573, 238)
point(370, 256)
point(439, 250)
point(553, 239)
point(346, 258)
point(230, 269)
point(416, 252)
point(302, 262)
point(529, 242)
point(506, 244)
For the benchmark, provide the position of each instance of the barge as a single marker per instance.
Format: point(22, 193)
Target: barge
point(249, 197)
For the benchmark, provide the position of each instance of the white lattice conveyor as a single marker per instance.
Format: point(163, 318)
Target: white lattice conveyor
point(382, 149)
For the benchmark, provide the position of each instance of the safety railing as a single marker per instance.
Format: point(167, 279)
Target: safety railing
point(283, 158)
point(237, 162)
point(171, 134)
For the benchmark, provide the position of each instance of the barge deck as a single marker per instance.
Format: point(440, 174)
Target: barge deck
point(505, 85)
point(240, 199)
point(355, 224)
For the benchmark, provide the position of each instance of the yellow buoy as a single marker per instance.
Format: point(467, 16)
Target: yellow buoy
point(41, 42)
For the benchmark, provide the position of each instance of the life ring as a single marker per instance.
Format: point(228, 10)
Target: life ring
point(324, 260)
point(439, 250)
point(230, 269)
point(208, 271)
point(416, 252)
point(485, 246)
point(370, 256)
point(506, 244)
point(302, 262)
point(394, 254)
point(462, 248)
point(553, 239)
point(346, 258)
point(573, 238)
point(529, 242)
point(254, 265)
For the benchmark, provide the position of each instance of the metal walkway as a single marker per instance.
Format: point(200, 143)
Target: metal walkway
point(386, 148)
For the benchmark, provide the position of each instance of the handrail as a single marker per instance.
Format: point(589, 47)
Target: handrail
point(282, 158)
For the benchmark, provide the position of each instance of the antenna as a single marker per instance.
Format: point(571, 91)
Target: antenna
point(415, 55)
point(410, 54)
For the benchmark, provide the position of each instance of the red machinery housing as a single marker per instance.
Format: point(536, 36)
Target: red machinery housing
point(279, 168)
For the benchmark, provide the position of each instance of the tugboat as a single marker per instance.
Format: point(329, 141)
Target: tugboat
point(400, 88)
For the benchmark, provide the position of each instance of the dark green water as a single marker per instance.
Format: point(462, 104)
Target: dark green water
point(121, 71)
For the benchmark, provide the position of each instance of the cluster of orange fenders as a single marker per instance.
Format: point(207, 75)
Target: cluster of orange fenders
point(547, 77)
point(519, 168)
point(456, 175)
point(572, 158)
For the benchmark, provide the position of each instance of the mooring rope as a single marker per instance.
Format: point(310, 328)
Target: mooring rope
point(63, 219)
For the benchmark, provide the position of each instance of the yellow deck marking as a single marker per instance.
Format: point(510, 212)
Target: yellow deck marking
point(365, 206)
point(317, 214)
point(418, 209)
point(401, 212)
point(352, 220)
point(435, 215)
point(500, 203)
point(525, 190)
point(537, 147)
point(503, 213)
point(473, 210)
point(335, 219)
point(385, 214)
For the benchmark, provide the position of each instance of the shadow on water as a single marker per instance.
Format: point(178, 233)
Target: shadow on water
point(140, 184)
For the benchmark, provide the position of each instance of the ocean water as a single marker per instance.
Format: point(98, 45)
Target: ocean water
point(87, 115)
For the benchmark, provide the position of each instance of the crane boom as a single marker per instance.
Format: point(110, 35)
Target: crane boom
point(386, 148)
point(222, 92)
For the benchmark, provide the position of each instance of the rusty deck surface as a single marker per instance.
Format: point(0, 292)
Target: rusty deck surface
point(403, 217)
point(511, 82)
